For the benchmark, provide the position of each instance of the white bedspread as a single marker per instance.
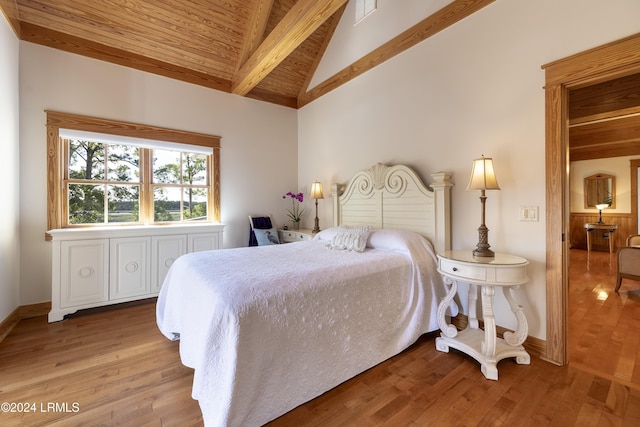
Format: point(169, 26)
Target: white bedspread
point(268, 328)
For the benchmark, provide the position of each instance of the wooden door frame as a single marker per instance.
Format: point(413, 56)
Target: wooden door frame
point(613, 60)
point(634, 164)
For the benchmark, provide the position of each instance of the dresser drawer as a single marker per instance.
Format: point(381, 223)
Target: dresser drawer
point(288, 236)
point(462, 270)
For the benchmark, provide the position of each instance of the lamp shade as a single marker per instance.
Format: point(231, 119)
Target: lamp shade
point(316, 190)
point(602, 206)
point(483, 176)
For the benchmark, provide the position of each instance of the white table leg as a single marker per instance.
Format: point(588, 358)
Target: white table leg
point(447, 329)
point(473, 303)
point(517, 337)
point(489, 344)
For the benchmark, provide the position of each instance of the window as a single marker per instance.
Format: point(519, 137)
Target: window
point(180, 186)
point(364, 8)
point(103, 172)
point(102, 183)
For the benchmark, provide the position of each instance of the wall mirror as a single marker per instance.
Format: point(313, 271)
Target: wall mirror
point(599, 189)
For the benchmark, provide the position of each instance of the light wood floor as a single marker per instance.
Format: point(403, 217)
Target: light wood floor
point(114, 368)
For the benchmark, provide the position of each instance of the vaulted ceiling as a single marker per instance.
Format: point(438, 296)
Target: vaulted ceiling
point(263, 49)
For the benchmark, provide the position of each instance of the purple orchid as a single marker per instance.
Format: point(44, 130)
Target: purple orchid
point(295, 214)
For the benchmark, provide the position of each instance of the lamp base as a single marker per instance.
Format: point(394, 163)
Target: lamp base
point(484, 253)
point(482, 248)
point(316, 225)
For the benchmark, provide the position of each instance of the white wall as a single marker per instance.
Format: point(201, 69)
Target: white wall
point(9, 173)
point(352, 41)
point(616, 166)
point(475, 88)
point(258, 154)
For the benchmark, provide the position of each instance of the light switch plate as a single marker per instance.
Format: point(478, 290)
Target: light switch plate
point(529, 213)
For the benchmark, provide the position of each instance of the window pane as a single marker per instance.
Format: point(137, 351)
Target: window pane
point(124, 203)
point(166, 204)
point(195, 204)
point(194, 168)
point(123, 163)
point(86, 160)
point(166, 167)
point(86, 204)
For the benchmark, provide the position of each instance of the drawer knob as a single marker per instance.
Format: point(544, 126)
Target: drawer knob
point(455, 268)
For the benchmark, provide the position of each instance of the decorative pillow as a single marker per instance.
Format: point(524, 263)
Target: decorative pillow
point(350, 238)
point(266, 236)
point(327, 234)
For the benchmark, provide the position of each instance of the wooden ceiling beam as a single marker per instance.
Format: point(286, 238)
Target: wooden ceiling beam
point(298, 24)
point(255, 30)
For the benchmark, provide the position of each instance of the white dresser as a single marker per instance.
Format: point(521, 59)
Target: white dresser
point(288, 236)
point(93, 267)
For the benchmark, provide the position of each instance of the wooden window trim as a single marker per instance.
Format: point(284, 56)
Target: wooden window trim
point(56, 157)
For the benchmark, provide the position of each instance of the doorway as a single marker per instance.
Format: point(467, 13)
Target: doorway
point(613, 60)
point(635, 196)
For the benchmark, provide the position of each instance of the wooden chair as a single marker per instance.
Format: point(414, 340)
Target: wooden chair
point(634, 240)
point(628, 264)
point(262, 224)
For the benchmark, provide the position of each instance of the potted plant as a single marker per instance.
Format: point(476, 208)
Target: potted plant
point(295, 214)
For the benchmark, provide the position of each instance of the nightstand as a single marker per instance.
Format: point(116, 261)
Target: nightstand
point(503, 271)
point(288, 236)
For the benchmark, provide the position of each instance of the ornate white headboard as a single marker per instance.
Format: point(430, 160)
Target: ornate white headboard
point(394, 197)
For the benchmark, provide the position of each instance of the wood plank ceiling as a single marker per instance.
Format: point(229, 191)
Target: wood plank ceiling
point(266, 47)
point(604, 119)
point(263, 49)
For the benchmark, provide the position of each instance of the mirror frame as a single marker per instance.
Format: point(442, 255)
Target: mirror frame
point(591, 186)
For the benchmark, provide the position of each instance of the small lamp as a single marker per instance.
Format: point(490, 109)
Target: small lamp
point(316, 193)
point(600, 207)
point(483, 178)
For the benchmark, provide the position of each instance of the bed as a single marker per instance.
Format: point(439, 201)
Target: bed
point(268, 328)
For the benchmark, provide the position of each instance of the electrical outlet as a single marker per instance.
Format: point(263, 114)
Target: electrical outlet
point(529, 213)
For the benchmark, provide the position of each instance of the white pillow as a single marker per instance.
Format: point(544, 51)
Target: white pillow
point(350, 238)
point(396, 240)
point(268, 236)
point(327, 234)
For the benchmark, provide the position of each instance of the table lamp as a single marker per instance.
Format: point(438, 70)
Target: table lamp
point(316, 193)
point(600, 207)
point(483, 178)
